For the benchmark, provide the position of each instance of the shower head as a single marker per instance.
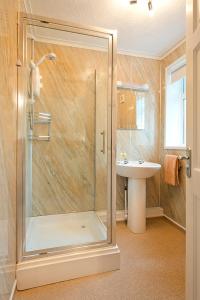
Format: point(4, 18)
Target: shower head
point(49, 56)
point(35, 78)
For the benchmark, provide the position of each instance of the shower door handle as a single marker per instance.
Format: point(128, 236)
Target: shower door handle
point(103, 142)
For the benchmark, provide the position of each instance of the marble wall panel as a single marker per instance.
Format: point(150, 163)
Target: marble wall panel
point(141, 144)
point(138, 144)
point(172, 198)
point(70, 170)
point(51, 194)
point(8, 121)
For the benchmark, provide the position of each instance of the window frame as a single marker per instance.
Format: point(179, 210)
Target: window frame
point(168, 70)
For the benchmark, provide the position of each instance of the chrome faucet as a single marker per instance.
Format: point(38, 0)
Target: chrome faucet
point(141, 161)
point(125, 161)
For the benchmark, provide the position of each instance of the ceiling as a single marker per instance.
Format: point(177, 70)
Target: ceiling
point(139, 33)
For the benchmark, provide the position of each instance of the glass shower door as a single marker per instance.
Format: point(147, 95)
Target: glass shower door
point(67, 197)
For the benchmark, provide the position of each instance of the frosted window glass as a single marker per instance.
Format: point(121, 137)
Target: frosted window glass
point(175, 120)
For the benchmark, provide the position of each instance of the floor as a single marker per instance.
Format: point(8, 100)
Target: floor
point(64, 230)
point(152, 268)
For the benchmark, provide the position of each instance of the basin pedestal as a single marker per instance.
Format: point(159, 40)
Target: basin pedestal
point(137, 173)
point(137, 205)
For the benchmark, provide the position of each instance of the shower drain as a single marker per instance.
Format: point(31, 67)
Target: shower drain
point(83, 226)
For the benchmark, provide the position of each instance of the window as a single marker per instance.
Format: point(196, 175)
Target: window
point(175, 107)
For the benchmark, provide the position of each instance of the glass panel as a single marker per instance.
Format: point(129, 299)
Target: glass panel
point(175, 114)
point(66, 145)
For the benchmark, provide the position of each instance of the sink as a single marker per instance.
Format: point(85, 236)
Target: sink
point(137, 172)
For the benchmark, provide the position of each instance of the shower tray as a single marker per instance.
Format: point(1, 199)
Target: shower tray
point(64, 230)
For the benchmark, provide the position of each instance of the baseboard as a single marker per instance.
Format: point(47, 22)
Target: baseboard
point(151, 212)
point(174, 222)
point(154, 212)
point(13, 290)
point(120, 215)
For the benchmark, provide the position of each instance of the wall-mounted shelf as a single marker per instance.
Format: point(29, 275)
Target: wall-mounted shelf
point(133, 86)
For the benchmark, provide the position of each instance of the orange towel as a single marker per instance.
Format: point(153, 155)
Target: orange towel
point(171, 165)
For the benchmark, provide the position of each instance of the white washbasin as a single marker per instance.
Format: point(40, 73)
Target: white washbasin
point(137, 173)
point(136, 170)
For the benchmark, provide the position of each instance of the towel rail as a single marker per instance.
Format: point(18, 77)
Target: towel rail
point(183, 157)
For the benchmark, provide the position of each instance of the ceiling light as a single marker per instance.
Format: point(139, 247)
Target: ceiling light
point(150, 5)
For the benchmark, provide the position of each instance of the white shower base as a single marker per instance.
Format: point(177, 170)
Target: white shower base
point(64, 230)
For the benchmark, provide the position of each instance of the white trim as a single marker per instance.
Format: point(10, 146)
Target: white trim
point(156, 57)
point(175, 148)
point(154, 212)
point(173, 49)
point(120, 215)
point(13, 290)
point(56, 268)
point(137, 54)
point(151, 212)
point(177, 224)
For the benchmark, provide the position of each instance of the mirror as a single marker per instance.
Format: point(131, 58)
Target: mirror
point(131, 108)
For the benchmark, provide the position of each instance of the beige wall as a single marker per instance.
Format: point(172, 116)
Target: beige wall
point(8, 121)
point(141, 144)
point(172, 198)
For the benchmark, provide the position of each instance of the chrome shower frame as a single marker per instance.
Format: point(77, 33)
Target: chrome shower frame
point(111, 35)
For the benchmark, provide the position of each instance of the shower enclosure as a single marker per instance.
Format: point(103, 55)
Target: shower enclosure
point(66, 151)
